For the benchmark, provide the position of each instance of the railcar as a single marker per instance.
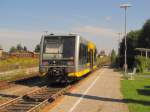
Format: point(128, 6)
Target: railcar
point(66, 57)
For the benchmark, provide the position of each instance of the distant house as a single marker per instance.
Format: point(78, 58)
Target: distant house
point(24, 54)
point(102, 54)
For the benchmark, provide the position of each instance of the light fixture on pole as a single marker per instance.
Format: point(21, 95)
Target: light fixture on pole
point(125, 6)
point(45, 32)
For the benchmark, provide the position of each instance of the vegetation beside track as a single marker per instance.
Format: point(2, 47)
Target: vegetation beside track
point(21, 74)
point(103, 61)
point(15, 63)
point(137, 93)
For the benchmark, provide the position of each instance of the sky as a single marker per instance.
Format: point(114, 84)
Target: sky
point(24, 21)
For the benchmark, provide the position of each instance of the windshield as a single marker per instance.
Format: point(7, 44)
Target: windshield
point(59, 47)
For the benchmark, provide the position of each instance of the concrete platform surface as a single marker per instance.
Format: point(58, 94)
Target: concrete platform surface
point(100, 92)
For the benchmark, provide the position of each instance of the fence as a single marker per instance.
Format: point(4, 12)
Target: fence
point(20, 54)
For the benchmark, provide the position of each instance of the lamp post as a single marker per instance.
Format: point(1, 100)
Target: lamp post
point(125, 6)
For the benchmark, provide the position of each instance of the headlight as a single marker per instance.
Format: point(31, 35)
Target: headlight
point(69, 69)
point(42, 69)
point(70, 63)
point(45, 63)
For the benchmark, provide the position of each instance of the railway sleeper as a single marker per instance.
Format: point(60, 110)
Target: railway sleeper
point(18, 107)
point(52, 91)
point(24, 105)
point(38, 97)
point(10, 109)
point(41, 93)
point(32, 99)
point(24, 102)
point(41, 96)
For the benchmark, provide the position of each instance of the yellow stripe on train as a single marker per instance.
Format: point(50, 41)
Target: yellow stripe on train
point(94, 67)
point(80, 73)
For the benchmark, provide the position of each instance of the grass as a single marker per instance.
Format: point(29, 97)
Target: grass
point(146, 73)
point(15, 63)
point(137, 94)
point(16, 76)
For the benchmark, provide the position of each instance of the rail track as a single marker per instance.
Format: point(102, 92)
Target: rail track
point(34, 100)
point(9, 90)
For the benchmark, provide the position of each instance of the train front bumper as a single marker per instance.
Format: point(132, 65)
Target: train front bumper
point(48, 69)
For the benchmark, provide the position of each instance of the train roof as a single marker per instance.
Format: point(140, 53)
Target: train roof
point(90, 44)
point(60, 35)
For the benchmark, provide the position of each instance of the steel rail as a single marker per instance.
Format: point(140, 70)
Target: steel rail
point(33, 101)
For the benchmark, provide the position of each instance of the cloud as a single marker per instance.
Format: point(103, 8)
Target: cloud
point(104, 38)
point(108, 18)
point(9, 37)
point(98, 31)
point(17, 34)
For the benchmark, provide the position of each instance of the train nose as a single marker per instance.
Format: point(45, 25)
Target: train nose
point(56, 71)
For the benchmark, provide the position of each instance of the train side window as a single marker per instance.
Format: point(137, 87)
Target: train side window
point(95, 55)
point(89, 56)
point(86, 53)
point(80, 54)
point(83, 57)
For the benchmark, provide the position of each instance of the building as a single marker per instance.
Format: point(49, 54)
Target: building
point(24, 54)
point(102, 54)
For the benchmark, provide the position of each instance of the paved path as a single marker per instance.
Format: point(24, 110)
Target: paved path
point(100, 92)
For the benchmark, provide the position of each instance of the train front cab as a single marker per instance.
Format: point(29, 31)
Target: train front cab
point(57, 55)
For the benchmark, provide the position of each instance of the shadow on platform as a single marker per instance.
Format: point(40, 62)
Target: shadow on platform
point(147, 103)
point(144, 92)
point(146, 86)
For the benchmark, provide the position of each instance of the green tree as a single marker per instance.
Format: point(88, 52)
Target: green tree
point(12, 49)
point(132, 43)
point(135, 39)
point(113, 58)
point(144, 38)
point(25, 48)
point(37, 48)
point(19, 47)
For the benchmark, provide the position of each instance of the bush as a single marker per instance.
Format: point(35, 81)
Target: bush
point(113, 58)
point(103, 60)
point(142, 63)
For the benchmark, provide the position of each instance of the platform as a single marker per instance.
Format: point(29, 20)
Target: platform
point(100, 92)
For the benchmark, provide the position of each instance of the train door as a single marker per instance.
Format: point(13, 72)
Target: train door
point(91, 59)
